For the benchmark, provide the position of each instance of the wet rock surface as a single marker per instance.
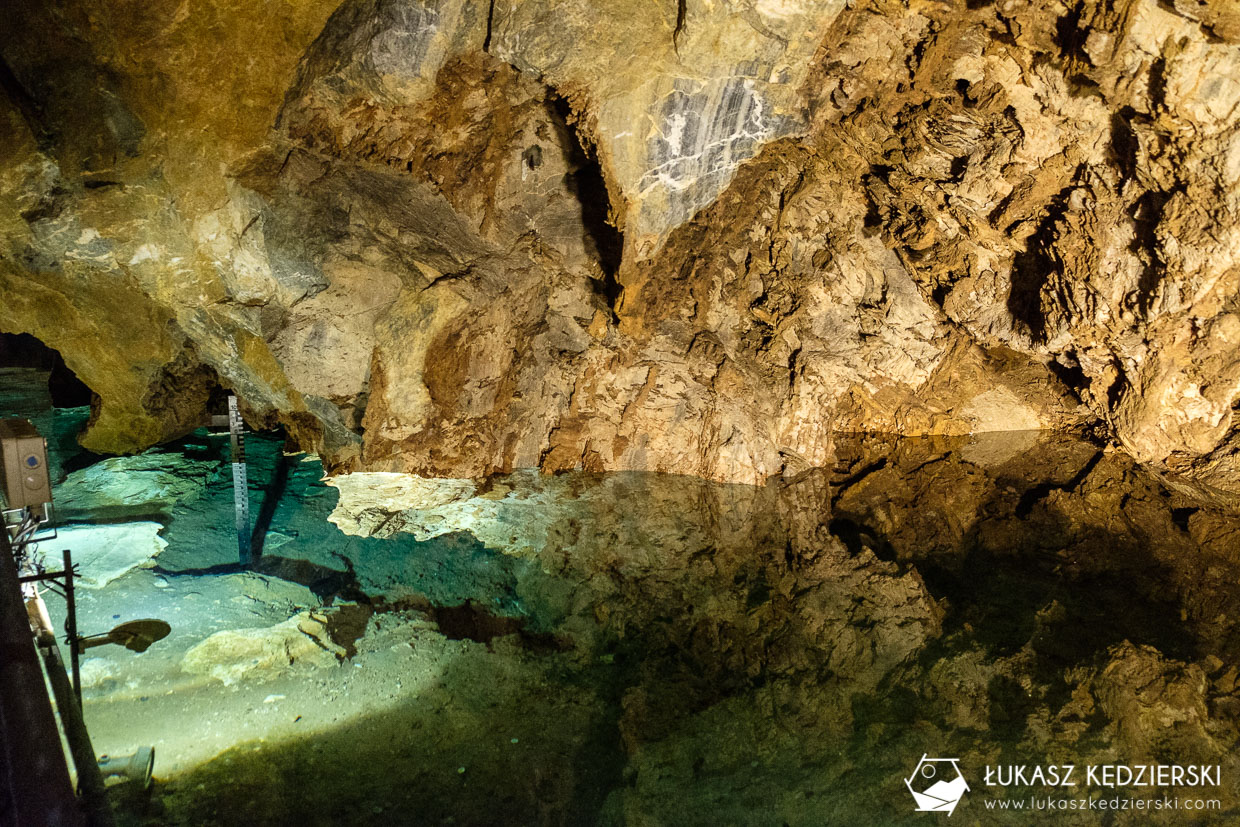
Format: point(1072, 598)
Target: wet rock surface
point(459, 238)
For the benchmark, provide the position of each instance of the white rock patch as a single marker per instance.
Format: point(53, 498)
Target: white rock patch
point(105, 552)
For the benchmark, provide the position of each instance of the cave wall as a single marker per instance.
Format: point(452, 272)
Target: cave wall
point(458, 238)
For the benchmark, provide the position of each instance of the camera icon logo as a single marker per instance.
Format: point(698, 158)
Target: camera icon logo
point(937, 785)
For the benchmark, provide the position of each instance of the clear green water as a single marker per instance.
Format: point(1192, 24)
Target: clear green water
point(648, 649)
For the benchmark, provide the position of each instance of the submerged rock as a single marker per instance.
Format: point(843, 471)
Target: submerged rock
point(105, 552)
point(146, 484)
point(260, 654)
point(98, 673)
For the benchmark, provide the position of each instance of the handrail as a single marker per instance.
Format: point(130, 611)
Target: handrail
point(35, 788)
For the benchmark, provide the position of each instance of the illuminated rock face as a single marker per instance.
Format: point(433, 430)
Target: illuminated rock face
point(459, 238)
point(675, 96)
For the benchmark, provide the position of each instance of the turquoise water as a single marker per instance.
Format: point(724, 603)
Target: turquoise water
point(24, 394)
point(637, 648)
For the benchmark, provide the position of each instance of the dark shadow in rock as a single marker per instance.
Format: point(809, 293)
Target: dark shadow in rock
point(1071, 374)
point(80, 460)
point(1046, 570)
point(1124, 142)
point(857, 537)
point(346, 624)
point(1146, 214)
point(473, 621)
point(326, 583)
point(1033, 268)
point(1070, 34)
point(271, 499)
point(24, 350)
point(587, 183)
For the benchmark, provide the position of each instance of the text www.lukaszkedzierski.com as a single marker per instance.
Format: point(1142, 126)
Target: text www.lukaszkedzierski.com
point(1098, 804)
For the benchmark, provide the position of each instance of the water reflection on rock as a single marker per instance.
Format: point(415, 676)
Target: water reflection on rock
point(647, 649)
point(787, 653)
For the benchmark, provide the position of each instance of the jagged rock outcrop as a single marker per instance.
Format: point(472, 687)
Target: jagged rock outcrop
point(460, 238)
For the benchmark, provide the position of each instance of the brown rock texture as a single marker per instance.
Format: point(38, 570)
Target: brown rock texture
point(460, 238)
point(791, 648)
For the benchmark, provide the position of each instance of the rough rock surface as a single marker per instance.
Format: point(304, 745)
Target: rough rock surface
point(138, 485)
point(259, 654)
point(458, 238)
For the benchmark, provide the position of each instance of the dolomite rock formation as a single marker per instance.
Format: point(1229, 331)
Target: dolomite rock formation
point(460, 238)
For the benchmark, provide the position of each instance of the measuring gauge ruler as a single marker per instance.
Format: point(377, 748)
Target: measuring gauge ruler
point(241, 485)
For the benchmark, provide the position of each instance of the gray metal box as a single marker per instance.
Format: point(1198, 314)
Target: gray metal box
point(24, 454)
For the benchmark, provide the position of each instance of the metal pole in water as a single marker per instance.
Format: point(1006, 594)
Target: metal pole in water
point(241, 486)
point(71, 627)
